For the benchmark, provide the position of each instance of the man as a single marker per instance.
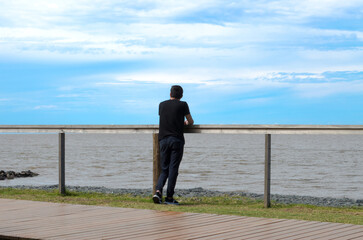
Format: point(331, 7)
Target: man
point(171, 140)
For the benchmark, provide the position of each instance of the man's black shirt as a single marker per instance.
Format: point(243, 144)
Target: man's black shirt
point(172, 113)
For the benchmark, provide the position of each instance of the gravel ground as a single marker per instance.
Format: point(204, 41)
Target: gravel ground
point(200, 192)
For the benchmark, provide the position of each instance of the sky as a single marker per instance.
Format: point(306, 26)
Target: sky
point(239, 62)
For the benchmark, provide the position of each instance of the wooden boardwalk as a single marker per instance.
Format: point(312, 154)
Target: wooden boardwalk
point(40, 220)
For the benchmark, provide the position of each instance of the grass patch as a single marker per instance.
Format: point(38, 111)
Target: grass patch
point(241, 206)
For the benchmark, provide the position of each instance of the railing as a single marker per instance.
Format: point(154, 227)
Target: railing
point(221, 129)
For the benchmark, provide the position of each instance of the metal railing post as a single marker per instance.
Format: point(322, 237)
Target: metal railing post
point(156, 160)
point(62, 187)
point(267, 202)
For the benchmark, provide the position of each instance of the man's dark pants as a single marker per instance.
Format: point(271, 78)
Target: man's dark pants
point(171, 154)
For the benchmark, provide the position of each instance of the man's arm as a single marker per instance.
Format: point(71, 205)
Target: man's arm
point(189, 120)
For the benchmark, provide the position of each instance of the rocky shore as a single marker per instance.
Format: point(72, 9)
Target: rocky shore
point(200, 192)
point(11, 174)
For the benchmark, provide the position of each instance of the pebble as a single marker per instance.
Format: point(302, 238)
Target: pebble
point(200, 192)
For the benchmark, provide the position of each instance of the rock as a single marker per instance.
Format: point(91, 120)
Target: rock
point(23, 174)
point(11, 174)
point(33, 174)
point(2, 175)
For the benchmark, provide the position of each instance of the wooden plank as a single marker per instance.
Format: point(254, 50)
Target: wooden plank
point(248, 233)
point(142, 221)
point(122, 230)
point(328, 228)
point(41, 208)
point(167, 225)
point(245, 228)
point(358, 235)
point(283, 223)
point(105, 223)
point(48, 219)
point(101, 229)
point(26, 219)
point(63, 222)
point(271, 231)
point(221, 230)
point(339, 233)
point(298, 227)
point(87, 227)
point(125, 232)
point(116, 229)
point(42, 225)
point(188, 231)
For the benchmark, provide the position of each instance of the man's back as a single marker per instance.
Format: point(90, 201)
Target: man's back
point(171, 136)
point(172, 113)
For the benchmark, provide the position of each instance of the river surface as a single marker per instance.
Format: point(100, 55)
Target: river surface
point(313, 165)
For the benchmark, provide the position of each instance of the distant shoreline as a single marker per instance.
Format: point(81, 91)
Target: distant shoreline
point(200, 192)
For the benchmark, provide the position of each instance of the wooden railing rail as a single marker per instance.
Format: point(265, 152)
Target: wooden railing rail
point(221, 129)
point(255, 129)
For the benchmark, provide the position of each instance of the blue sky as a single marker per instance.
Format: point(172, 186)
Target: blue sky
point(239, 62)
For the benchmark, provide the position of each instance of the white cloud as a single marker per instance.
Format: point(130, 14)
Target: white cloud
point(43, 11)
point(181, 35)
point(69, 95)
point(45, 107)
point(199, 43)
point(319, 90)
point(304, 10)
point(4, 101)
point(164, 31)
point(219, 47)
point(304, 85)
point(201, 76)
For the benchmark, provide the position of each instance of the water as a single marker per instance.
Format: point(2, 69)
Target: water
point(314, 165)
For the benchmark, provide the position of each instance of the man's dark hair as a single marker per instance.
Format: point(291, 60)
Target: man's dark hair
point(176, 91)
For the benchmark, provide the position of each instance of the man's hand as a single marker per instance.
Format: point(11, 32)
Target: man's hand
point(189, 120)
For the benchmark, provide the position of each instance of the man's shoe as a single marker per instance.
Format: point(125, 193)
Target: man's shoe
point(157, 198)
point(171, 201)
